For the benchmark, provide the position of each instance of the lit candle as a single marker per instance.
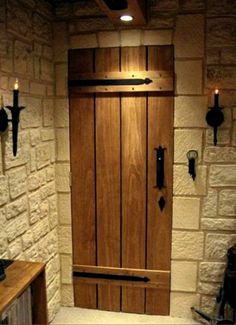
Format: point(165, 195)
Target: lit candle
point(216, 96)
point(15, 94)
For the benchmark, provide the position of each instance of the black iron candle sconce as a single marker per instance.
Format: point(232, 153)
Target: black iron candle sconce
point(15, 113)
point(192, 156)
point(215, 116)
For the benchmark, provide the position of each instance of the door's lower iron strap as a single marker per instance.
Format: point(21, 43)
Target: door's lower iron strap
point(109, 82)
point(111, 276)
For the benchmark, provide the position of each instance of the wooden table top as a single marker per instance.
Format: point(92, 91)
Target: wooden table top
point(19, 275)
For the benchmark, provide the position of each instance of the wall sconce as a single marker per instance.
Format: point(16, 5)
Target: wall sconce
point(215, 117)
point(15, 113)
point(192, 156)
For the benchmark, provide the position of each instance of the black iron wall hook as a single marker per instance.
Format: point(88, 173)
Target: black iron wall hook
point(192, 156)
point(15, 113)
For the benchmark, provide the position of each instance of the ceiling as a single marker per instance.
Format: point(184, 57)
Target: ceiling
point(136, 8)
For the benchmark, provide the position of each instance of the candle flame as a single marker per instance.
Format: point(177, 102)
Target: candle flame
point(216, 91)
point(16, 85)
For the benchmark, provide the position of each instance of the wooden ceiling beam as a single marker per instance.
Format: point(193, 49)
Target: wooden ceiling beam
point(136, 8)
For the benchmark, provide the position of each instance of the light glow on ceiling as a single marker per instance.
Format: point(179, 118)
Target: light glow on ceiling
point(126, 18)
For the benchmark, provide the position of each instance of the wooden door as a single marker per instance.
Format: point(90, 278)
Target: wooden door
point(121, 236)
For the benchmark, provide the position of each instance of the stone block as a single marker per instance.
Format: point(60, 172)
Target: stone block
point(52, 267)
point(42, 28)
point(217, 245)
point(186, 212)
point(65, 243)
point(222, 175)
point(189, 44)
point(217, 7)
point(189, 77)
point(82, 41)
point(47, 134)
point(3, 190)
point(53, 286)
point(60, 41)
point(17, 227)
point(185, 140)
point(165, 5)
point(34, 137)
point(40, 229)
point(228, 56)
point(234, 133)
point(184, 184)
point(187, 245)
point(36, 180)
point(54, 306)
point(7, 59)
point(157, 37)
point(183, 276)
point(4, 82)
point(48, 112)
point(37, 88)
point(61, 79)
point(218, 224)
point(192, 5)
point(181, 303)
point(190, 111)
point(130, 37)
point(109, 39)
point(67, 297)
point(17, 182)
point(221, 32)
point(62, 178)
point(44, 208)
point(31, 116)
point(53, 220)
point(223, 76)
point(27, 240)
point(227, 203)
point(43, 156)
point(19, 20)
point(61, 113)
point(213, 55)
point(91, 24)
point(47, 190)
point(50, 173)
point(63, 147)
point(211, 271)
point(223, 136)
point(66, 269)
point(47, 70)
point(34, 201)
point(48, 52)
point(16, 207)
point(209, 208)
point(209, 288)
point(64, 208)
point(23, 59)
point(14, 249)
point(220, 154)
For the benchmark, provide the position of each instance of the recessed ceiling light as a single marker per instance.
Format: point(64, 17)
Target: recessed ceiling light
point(126, 18)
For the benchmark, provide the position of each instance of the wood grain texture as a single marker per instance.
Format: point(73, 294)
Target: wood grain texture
point(157, 279)
point(133, 121)
point(159, 223)
point(108, 179)
point(83, 177)
point(19, 276)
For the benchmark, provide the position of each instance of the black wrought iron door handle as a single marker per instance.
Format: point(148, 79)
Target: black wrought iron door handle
point(160, 172)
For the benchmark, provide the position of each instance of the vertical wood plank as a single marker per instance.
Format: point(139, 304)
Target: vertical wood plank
point(133, 180)
point(83, 179)
point(108, 179)
point(160, 132)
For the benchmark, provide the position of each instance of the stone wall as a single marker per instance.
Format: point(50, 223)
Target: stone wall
point(28, 202)
point(204, 223)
